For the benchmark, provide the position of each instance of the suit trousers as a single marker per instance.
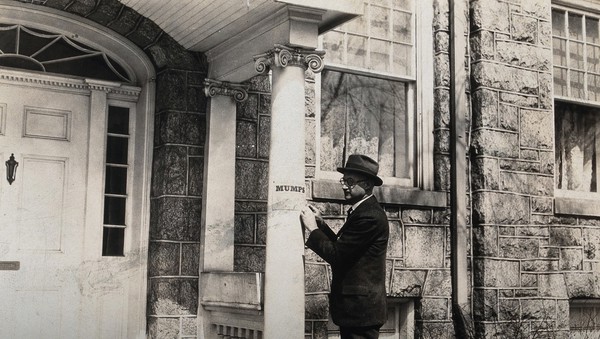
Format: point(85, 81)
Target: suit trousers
point(368, 332)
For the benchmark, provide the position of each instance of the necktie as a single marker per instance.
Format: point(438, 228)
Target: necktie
point(350, 210)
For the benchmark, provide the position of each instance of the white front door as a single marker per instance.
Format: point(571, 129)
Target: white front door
point(54, 281)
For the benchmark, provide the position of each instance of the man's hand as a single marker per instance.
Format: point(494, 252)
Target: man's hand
point(318, 215)
point(308, 218)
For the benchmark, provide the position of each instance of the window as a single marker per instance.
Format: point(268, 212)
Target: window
point(399, 323)
point(576, 50)
point(368, 99)
point(584, 319)
point(115, 182)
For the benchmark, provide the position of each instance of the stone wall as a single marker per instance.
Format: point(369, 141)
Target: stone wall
point(180, 123)
point(521, 249)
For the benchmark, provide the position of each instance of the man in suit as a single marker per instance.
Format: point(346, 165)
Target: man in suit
point(357, 253)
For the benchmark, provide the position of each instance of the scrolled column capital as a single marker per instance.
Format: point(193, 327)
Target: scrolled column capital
point(239, 92)
point(283, 56)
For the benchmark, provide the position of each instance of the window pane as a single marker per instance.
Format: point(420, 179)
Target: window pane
point(112, 241)
point(373, 114)
point(577, 89)
point(118, 120)
point(576, 55)
point(357, 51)
point(116, 180)
point(403, 55)
point(380, 55)
point(559, 48)
point(575, 26)
point(380, 22)
point(402, 27)
point(558, 23)
point(560, 81)
point(333, 43)
point(594, 87)
point(114, 210)
point(577, 133)
point(591, 30)
point(593, 62)
point(116, 150)
point(403, 4)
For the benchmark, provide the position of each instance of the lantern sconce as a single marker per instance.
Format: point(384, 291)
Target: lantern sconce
point(11, 168)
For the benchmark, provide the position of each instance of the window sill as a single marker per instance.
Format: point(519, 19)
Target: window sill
point(574, 206)
point(331, 190)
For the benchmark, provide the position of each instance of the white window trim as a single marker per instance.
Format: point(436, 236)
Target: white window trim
point(420, 101)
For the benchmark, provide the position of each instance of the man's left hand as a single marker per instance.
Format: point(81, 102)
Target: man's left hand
point(308, 220)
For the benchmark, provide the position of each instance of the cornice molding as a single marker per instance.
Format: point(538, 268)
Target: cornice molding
point(239, 92)
point(283, 56)
point(81, 86)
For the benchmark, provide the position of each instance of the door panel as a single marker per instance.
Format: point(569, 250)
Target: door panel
point(61, 289)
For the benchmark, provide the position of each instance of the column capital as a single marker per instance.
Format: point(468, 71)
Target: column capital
point(239, 92)
point(283, 56)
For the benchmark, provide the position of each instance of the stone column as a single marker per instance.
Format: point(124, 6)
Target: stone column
point(219, 176)
point(284, 272)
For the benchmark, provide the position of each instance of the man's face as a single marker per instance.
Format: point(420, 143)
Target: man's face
point(351, 184)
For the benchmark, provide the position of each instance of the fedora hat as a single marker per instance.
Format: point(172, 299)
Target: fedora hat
point(362, 164)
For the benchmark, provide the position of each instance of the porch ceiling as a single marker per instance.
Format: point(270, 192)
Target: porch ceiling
point(201, 25)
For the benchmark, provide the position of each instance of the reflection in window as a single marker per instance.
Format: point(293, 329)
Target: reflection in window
point(577, 138)
point(364, 115)
point(576, 50)
point(115, 182)
point(584, 319)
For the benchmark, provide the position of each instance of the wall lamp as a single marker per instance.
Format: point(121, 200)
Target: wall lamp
point(11, 168)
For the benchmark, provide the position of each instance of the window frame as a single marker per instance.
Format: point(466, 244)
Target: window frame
point(569, 201)
point(420, 91)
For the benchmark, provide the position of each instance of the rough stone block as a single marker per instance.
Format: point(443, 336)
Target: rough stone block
point(565, 236)
point(441, 107)
point(508, 117)
point(173, 296)
point(485, 304)
point(180, 128)
point(416, 216)
point(519, 165)
point(175, 219)
point(196, 99)
point(441, 68)
point(438, 283)
point(547, 162)
point(539, 265)
point(442, 141)
point(249, 108)
point(310, 155)
point(496, 273)
point(163, 328)
point(504, 77)
point(434, 309)
point(525, 183)
point(537, 129)
point(317, 307)
point(490, 14)
point(189, 326)
point(264, 136)
point(482, 45)
point(441, 42)
point(552, 285)
point(407, 283)
point(537, 8)
point(244, 229)
point(524, 28)
point(545, 91)
point(518, 248)
point(145, 33)
point(532, 231)
point(571, 259)
point(261, 229)
point(170, 90)
point(251, 179)
point(549, 252)
point(515, 208)
point(249, 258)
point(485, 108)
point(423, 247)
point(260, 83)
point(190, 259)
point(582, 284)
point(441, 15)
point(542, 205)
point(167, 52)
point(524, 55)
point(105, 12)
point(496, 143)
point(485, 241)
point(316, 279)
point(485, 174)
point(520, 100)
point(529, 280)
point(170, 170)
point(246, 139)
point(545, 29)
point(196, 176)
point(395, 243)
point(163, 258)
point(539, 309)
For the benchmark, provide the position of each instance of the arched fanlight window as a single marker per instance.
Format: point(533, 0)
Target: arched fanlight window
point(37, 50)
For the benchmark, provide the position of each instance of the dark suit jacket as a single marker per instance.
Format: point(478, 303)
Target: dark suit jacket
point(357, 258)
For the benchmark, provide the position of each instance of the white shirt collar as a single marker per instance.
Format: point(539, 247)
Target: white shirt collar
point(360, 202)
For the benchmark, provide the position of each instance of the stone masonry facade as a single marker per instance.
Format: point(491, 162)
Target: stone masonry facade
point(525, 262)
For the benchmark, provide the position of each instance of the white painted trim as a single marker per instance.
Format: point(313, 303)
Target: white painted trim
point(142, 72)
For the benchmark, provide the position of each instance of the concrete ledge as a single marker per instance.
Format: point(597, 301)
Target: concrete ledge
point(232, 290)
point(573, 206)
point(331, 190)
